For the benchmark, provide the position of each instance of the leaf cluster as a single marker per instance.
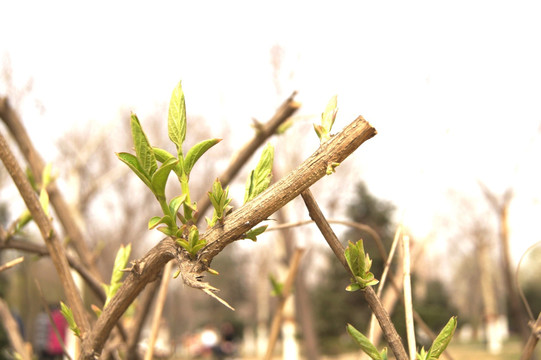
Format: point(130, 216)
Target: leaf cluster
point(359, 264)
point(153, 166)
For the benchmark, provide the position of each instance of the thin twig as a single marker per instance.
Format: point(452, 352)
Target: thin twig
point(12, 331)
point(286, 291)
point(11, 263)
point(52, 242)
point(383, 279)
point(360, 226)
point(162, 295)
point(263, 132)
point(373, 301)
point(533, 339)
point(408, 305)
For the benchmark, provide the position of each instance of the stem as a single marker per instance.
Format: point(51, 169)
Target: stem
point(408, 306)
point(373, 300)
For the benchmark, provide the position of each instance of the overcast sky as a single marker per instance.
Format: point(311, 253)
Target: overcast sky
point(453, 88)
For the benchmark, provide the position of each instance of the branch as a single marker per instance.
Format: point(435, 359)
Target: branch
point(11, 263)
point(336, 150)
point(36, 163)
point(58, 255)
point(12, 330)
point(373, 301)
point(91, 281)
point(263, 132)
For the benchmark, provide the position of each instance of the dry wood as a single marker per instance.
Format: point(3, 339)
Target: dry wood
point(529, 348)
point(11, 263)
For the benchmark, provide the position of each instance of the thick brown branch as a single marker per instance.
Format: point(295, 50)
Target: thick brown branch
point(263, 132)
point(372, 299)
point(143, 271)
point(52, 242)
point(337, 149)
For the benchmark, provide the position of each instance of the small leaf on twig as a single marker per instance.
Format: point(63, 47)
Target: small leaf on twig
point(328, 116)
point(254, 233)
point(68, 315)
point(176, 121)
point(143, 150)
point(366, 345)
point(260, 177)
point(442, 340)
point(196, 152)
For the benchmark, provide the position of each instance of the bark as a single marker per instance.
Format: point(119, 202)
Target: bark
point(336, 150)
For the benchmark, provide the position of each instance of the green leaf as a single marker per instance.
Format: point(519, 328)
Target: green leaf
point(442, 340)
point(422, 355)
point(162, 155)
point(260, 177)
point(219, 199)
point(134, 165)
point(359, 264)
point(159, 179)
point(176, 121)
point(196, 152)
point(328, 116)
point(277, 287)
point(364, 343)
point(156, 220)
point(143, 150)
point(44, 200)
point(252, 234)
point(46, 176)
point(176, 203)
point(121, 260)
point(68, 315)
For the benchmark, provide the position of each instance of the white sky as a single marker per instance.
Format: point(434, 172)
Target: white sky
point(453, 88)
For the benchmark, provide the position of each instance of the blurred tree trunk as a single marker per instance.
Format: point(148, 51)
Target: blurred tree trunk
point(501, 207)
point(488, 293)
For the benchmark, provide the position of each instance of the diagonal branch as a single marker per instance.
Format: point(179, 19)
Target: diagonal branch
point(336, 150)
point(373, 300)
point(263, 132)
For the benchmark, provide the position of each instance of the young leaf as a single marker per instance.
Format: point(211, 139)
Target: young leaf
point(68, 315)
point(176, 121)
point(364, 343)
point(220, 201)
point(252, 234)
point(159, 179)
point(328, 116)
point(277, 287)
point(121, 260)
point(134, 165)
point(196, 152)
point(260, 177)
point(162, 155)
point(442, 340)
point(176, 203)
point(143, 150)
point(360, 264)
point(156, 220)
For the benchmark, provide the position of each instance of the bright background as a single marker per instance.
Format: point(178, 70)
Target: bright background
point(453, 88)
